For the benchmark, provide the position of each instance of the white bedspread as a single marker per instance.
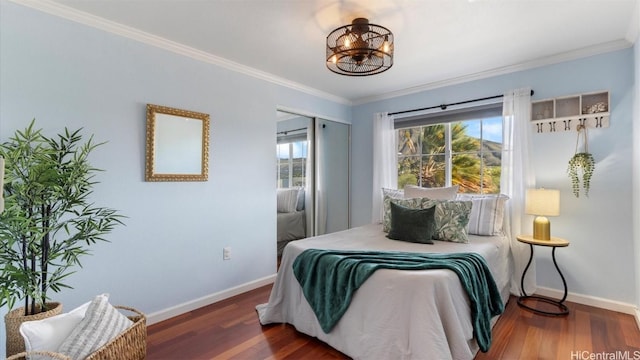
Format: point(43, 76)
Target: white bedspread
point(395, 314)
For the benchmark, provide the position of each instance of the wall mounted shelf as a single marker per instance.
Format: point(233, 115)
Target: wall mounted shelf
point(566, 113)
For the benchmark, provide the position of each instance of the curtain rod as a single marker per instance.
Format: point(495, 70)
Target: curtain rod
point(288, 131)
point(444, 106)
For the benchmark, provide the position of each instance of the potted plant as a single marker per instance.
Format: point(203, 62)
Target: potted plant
point(582, 165)
point(48, 222)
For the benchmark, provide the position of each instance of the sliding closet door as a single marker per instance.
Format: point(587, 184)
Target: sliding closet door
point(332, 176)
point(296, 168)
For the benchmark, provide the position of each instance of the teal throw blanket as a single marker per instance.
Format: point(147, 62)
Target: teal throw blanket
point(329, 278)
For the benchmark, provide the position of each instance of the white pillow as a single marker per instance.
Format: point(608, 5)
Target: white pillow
point(487, 213)
point(287, 200)
point(47, 334)
point(101, 323)
point(300, 202)
point(440, 193)
point(392, 193)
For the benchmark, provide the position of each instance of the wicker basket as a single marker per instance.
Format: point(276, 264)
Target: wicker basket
point(15, 317)
point(41, 355)
point(130, 344)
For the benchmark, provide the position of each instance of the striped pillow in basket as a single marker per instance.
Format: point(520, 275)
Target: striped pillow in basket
point(102, 322)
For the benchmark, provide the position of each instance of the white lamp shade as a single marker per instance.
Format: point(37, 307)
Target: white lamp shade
point(544, 202)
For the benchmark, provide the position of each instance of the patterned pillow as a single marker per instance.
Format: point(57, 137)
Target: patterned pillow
point(102, 322)
point(416, 203)
point(487, 213)
point(452, 218)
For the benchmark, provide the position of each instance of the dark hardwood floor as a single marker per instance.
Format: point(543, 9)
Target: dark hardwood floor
point(230, 330)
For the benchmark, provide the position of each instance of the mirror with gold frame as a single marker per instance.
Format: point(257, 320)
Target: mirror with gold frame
point(177, 145)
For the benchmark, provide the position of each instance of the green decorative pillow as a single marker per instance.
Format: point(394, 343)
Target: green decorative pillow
point(452, 218)
point(412, 225)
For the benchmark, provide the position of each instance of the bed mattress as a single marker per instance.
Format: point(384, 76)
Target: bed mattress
point(395, 314)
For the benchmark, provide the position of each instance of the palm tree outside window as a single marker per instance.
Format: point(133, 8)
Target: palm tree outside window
point(465, 153)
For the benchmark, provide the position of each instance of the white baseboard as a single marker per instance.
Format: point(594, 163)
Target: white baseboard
point(207, 300)
point(225, 294)
point(593, 301)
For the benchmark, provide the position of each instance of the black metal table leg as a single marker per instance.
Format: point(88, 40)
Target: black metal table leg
point(563, 310)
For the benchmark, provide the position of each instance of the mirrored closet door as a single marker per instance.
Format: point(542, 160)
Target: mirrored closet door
point(313, 165)
point(295, 178)
point(332, 176)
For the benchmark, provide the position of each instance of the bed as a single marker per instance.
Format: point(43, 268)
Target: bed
point(291, 217)
point(291, 226)
point(395, 314)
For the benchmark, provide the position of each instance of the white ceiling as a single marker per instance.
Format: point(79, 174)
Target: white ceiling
point(437, 42)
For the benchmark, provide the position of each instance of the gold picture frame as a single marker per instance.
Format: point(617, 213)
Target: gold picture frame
point(177, 145)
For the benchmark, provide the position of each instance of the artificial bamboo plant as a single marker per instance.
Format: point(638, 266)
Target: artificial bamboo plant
point(49, 220)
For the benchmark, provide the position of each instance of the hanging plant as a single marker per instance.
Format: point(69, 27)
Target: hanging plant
point(581, 165)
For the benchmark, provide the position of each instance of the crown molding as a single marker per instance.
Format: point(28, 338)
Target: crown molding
point(84, 18)
point(550, 60)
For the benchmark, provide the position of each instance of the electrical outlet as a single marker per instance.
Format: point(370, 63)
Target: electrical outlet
point(226, 253)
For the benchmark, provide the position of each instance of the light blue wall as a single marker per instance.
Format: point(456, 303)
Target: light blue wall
point(66, 74)
point(170, 252)
point(600, 260)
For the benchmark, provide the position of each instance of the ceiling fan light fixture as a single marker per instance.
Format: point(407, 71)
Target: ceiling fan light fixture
point(359, 49)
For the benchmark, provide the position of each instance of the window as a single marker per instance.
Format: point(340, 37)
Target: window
point(292, 163)
point(456, 149)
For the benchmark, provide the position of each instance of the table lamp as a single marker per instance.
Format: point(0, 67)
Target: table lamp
point(542, 203)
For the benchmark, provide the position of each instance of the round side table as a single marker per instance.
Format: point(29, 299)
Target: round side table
point(554, 243)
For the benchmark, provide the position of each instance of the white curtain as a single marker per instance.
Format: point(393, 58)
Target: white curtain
point(310, 174)
point(385, 174)
point(516, 177)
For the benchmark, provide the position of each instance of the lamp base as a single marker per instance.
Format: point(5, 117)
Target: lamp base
point(541, 228)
